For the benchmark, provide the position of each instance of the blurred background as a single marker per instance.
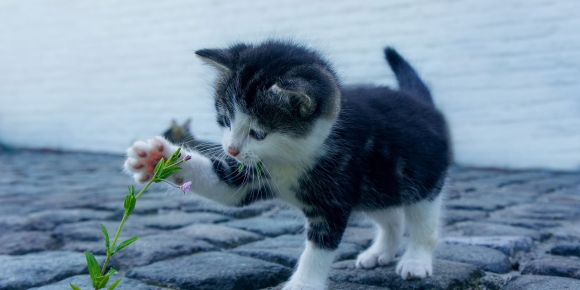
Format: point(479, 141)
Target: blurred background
point(97, 75)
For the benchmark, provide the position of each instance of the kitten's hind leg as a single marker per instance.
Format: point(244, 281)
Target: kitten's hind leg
point(422, 221)
point(390, 228)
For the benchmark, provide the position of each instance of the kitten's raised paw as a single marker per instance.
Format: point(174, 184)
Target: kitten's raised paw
point(415, 268)
point(371, 258)
point(142, 157)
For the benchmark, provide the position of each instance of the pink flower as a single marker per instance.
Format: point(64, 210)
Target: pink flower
point(188, 157)
point(185, 187)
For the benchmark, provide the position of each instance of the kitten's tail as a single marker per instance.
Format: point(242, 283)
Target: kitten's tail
point(409, 80)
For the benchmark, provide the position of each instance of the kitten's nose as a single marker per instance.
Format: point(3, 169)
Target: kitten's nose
point(233, 151)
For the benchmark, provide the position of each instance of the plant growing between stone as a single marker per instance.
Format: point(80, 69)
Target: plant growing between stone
point(162, 171)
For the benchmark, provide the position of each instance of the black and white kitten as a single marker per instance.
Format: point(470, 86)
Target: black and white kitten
point(326, 149)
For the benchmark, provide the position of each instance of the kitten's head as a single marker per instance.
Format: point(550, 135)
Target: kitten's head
point(177, 134)
point(273, 100)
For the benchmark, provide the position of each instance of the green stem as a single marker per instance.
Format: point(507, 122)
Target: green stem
point(145, 188)
point(125, 215)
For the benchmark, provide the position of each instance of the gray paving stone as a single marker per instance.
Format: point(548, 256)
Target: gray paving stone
point(485, 258)
point(66, 198)
point(509, 245)
point(288, 258)
point(286, 250)
point(493, 229)
point(447, 275)
point(533, 224)
point(351, 286)
point(566, 250)
point(213, 270)
point(482, 203)
point(47, 219)
point(23, 272)
point(149, 249)
point(517, 178)
point(176, 219)
point(492, 282)
point(91, 230)
point(469, 174)
point(20, 243)
point(268, 226)
point(567, 196)
point(285, 212)
point(347, 251)
point(95, 247)
point(198, 204)
point(538, 282)
point(568, 231)
point(548, 185)
point(218, 235)
point(554, 266)
point(541, 211)
point(339, 286)
point(84, 282)
point(14, 223)
point(359, 220)
point(18, 210)
point(453, 216)
point(143, 206)
point(359, 236)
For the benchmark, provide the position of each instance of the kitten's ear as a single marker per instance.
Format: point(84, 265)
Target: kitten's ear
point(219, 58)
point(185, 126)
point(294, 93)
point(175, 130)
point(174, 124)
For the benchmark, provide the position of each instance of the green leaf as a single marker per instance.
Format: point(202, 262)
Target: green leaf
point(160, 165)
point(74, 287)
point(106, 234)
point(114, 284)
point(168, 171)
point(103, 280)
point(132, 190)
point(241, 168)
point(130, 202)
point(259, 168)
point(93, 266)
point(173, 157)
point(126, 243)
point(111, 272)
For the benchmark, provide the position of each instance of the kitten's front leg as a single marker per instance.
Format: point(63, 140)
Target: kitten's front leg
point(215, 179)
point(323, 237)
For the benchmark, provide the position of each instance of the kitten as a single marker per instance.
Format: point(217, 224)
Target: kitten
point(324, 148)
point(183, 137)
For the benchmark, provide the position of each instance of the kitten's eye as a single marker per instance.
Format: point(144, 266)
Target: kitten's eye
point(227, 122)
point(257, 134)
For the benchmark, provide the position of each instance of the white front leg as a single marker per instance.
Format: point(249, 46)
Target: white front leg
point(200, 170)
point(313, 269)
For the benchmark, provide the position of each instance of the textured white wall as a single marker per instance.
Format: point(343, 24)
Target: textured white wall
point(97, 75)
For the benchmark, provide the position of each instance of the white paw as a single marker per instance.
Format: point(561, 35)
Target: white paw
point(372, 258)
point(413, 268)
point(301, 286)
point(142, 157)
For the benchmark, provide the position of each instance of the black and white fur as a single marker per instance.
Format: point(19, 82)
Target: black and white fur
point(324, 148)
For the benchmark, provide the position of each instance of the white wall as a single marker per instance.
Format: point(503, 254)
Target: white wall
point(97, 75)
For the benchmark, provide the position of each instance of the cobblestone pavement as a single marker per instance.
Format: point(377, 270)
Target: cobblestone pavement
point(502, 230)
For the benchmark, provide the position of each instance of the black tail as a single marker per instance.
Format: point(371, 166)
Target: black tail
point(408, 79)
